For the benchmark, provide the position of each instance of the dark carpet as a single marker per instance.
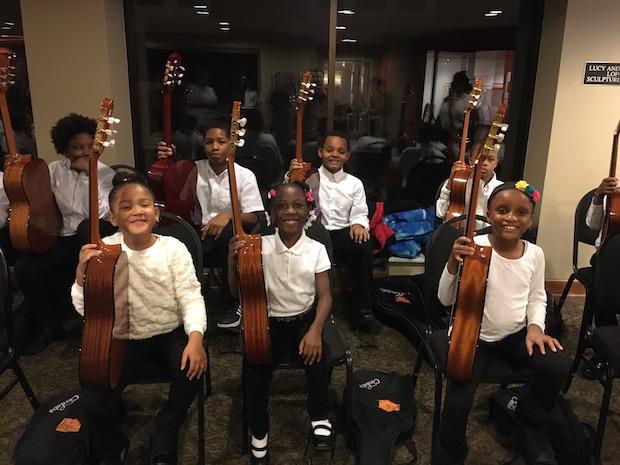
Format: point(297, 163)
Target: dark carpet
point(55, 371)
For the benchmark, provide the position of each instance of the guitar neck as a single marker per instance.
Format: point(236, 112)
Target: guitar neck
point(464, 137)
point(8, 128)
point(298, 138)
point(470, 228)
point(234, 196)
point(167, 118)
point(614, 153)
point(93, 198)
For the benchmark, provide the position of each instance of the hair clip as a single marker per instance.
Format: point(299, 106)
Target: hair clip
point(528, 190)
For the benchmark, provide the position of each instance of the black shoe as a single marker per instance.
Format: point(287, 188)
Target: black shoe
point(165, 459)
point(230, 318)
point(534, 443)
point(42, 341)
point(366, 321)
point(322, 443)
point(163, 449)
point(120, 458)
point(258, 461)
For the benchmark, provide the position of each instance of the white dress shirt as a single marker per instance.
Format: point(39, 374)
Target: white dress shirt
point(515, 295)
point(342, 200)
point(213, 191)
point(484, 192)
point(594, 218)
point(163, 289)
point(71, 191)
point(290, 273)
point(4, 202)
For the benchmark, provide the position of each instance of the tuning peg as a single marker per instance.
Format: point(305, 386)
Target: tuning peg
point(181, 75)
point(504, 127)
point(500, 137)
point(313, 84)
point(240, 143)
point(179, 82)
point(109, 132)
point(182, 68)
point(475, 103)
point(242, 122)
point(112, 120)
point(241, 132)
point(496, 147)
point(310, 98)
point(311, 91)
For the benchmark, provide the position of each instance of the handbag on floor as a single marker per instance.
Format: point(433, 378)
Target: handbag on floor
point(56, 434)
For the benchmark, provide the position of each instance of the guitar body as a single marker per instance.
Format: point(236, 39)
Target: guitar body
point(156, 177)
point(302, 173)
point(458, 188)
point(254, 302)
point(468, 310)
point(34, 218)
point(106, 324)
point(611, 224)
point(179, 187)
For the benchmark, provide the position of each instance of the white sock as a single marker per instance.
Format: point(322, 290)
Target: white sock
point(321, 431)
point(259, 444)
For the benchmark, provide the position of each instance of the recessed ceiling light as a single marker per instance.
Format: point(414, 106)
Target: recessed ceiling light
point(6, 28)
point(341, 28)
point(352, 41)
point(202, 7)
point(497, 12)
point(489, 15)
point(346, 12)
point(224, 28)
point(9, 23)
point(202, 12)
point(224, 23)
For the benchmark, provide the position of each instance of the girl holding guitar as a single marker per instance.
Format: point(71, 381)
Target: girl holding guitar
point(513, 321)
point(45, 278)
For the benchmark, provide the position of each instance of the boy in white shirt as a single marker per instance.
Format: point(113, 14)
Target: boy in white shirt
point(343, 211)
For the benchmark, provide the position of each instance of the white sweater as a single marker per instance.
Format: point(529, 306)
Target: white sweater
point(163, 289)
point(515, 295)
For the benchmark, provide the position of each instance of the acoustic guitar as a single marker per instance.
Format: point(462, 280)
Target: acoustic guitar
point(306, 92)
point(611, 220)
point(257, 348)
point(34, 217)
point(458, 183)
point(105, 285)
point(473, 272)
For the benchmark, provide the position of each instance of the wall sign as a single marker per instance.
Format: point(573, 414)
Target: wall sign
point(598, 72)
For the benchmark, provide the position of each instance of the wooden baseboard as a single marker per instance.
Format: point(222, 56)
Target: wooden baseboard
point(556, 287)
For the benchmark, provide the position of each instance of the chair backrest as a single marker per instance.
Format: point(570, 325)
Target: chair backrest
point(606, 289)
point(129, 169)
point(425, 177)
point(581, 231)
point(177, 227)
point(436, 256)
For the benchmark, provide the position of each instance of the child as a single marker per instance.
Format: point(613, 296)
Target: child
point(513, 322)
point(166, 316)
point(45, 279)
point(344, 213)
point(488, 183)
point(299, 301)
point(594, 217)
point(213, 193)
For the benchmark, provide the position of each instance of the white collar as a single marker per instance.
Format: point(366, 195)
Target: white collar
point(281, 248)
point(211, 172)
point(335, 177)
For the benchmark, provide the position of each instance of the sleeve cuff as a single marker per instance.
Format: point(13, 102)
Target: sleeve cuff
point(361, 221)
point(195, 327)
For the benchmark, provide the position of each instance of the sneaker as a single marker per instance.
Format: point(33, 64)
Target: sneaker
point(230, 318)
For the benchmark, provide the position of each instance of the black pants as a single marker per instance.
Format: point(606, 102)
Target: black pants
point(285, 337)
point(215, 254)
point(550, 373)
point(10, 254)
point(46, 279)
point(359, 259)
point(104, 409)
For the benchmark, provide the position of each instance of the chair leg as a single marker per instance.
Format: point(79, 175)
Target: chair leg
point(437, 410)
point(602, 418)
point(566, 290)
point(418, 367)
point(32, 398)
point(244, 415)
point(200, 399)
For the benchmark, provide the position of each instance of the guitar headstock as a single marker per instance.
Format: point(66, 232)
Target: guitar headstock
point(173, 72)
point(7, 72)
point(104, 123)
point(306, 91)
point(236, 128)
point(474, 95)
point(497, 131)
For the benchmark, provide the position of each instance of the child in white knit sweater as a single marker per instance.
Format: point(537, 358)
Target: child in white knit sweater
point(166, 319)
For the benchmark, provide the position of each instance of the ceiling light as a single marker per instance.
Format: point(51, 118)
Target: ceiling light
point(224, 28)
point(9, 23)
point(341, 28)
point(6, 28)
point(202, 12)
point(346, 12)
point(489, 15)
point(497, 12)
point(224, 23)
point(351, 41)
point(201, 7)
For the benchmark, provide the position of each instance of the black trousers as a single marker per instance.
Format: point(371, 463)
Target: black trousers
point(215, 254)
point(10, 254)
point(46, 279)
point(285, 338)
point(104, 407)
point(550, 373)
point(359, 259)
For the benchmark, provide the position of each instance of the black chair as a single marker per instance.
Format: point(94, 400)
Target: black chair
point(605, 340)
point(425, 178)
point(335, 350)
point(8, 354)
point(131, 170)
point(434, 346)
point(581, 234)
point(152, 373)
